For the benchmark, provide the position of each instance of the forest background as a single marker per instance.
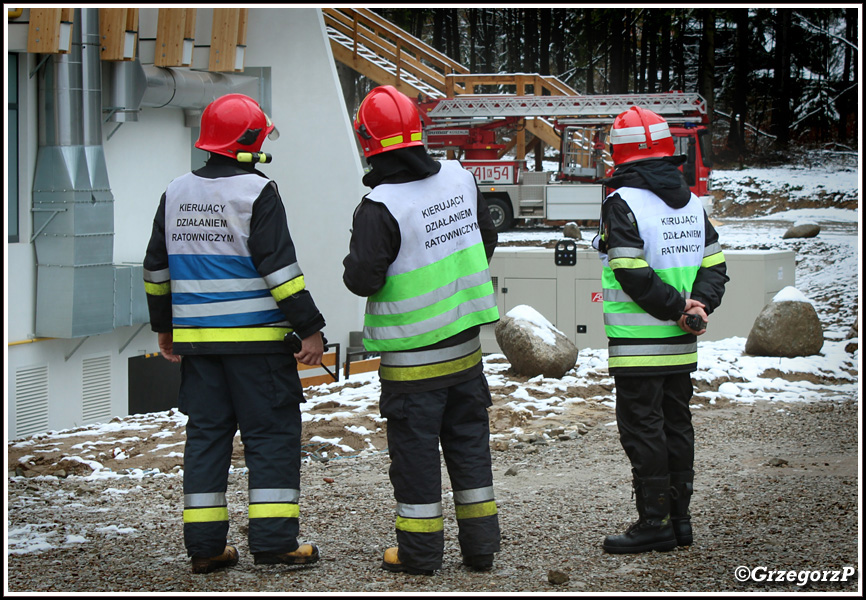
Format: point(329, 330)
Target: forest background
point(775, 79)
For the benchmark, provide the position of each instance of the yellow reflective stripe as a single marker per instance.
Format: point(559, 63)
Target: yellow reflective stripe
point(712, 260)
point(628, 263)
point(281, 292)
point(269, 511)
point(420, 525)
point(430, 371)
point(231, 334)
point(397, 139)
point(473, 511)
point(157, 289)
point(652, 361)
point(205, 515)
point(416, 137)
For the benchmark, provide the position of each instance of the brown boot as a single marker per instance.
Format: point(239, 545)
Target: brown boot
point(203, 564)
point(306, 554)
point(391, 562)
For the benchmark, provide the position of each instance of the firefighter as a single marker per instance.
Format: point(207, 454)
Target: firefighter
point(662, 264)
point(224, 288)
point(419, 251)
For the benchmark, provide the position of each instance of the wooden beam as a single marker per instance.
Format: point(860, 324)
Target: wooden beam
point(50, 31)
point(118, 33)
point(229, 26)
point(175, 37)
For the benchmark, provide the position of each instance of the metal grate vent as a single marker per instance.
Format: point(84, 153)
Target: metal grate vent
point(96, 389)
point(495, 281)
point(31, 400)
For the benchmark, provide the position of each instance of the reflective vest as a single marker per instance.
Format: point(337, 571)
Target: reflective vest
point(439, 284)
point(217, 293)
point(674, 247)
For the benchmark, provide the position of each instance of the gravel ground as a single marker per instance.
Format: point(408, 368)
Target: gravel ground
point(777, 489)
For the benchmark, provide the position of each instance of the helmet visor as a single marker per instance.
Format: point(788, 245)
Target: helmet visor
point(274, 133)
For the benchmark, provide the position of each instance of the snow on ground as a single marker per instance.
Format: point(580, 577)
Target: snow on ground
point(827, 274)
point(796, 182)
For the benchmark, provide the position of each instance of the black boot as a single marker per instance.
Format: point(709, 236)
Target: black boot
point(653, 529)
point(682, 487)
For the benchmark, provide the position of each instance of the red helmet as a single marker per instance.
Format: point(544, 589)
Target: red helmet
point(387, 120)
point(234, 123)
point(639, 133)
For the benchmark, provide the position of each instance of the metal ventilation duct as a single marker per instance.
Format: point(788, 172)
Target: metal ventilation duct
point(80, 292)
point(73, 210)
point(133, 87)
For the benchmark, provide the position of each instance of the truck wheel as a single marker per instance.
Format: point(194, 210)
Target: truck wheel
point(500, 210)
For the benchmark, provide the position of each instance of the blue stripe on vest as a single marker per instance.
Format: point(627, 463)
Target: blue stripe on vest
point(207, 298)
point(211, 266)
point(241, 320)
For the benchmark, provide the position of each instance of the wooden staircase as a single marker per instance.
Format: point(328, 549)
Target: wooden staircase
point(384, 53)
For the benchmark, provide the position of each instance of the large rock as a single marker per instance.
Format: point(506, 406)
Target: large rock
point(533, 346)
point(804, 229)
point(571, 230)
point(788, 326)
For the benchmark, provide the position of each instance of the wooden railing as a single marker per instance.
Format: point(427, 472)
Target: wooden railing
point(379, 50)
point(518, 84)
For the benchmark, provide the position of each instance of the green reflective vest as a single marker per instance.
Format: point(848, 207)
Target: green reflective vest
point(439, 284)
point(674, 247)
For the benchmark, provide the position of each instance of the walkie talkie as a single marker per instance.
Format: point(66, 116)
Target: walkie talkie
point(695, 322)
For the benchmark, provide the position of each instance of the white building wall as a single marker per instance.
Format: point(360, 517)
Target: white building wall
point(316, 166)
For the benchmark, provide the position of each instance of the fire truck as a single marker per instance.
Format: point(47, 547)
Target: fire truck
point(474, 125)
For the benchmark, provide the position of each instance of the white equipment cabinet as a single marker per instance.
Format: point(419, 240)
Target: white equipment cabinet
point(570, 296)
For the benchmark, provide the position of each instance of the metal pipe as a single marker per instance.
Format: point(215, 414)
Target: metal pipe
point(182, 88)
point(134, 86)
point(30, 341)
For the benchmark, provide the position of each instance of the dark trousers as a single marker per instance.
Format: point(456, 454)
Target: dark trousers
point(261, 396)
point(455, 417)
point(655, 423)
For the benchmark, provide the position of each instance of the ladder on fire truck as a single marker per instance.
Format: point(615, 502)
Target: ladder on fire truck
point(574, 124)
point(673, 106)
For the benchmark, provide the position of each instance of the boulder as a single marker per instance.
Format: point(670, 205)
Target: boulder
point(571, 230)
point(802, 229)
point(788, 327)
point(533, 346)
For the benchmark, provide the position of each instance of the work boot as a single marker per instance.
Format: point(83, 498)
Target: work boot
point(479, 562)
point(306, 554)
point(653, 529)
point(203, 564)
point(682, 487)
point(391, 562)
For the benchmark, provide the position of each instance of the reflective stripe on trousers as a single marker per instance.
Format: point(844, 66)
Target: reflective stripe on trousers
point(271, 503)
point(472, 504)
